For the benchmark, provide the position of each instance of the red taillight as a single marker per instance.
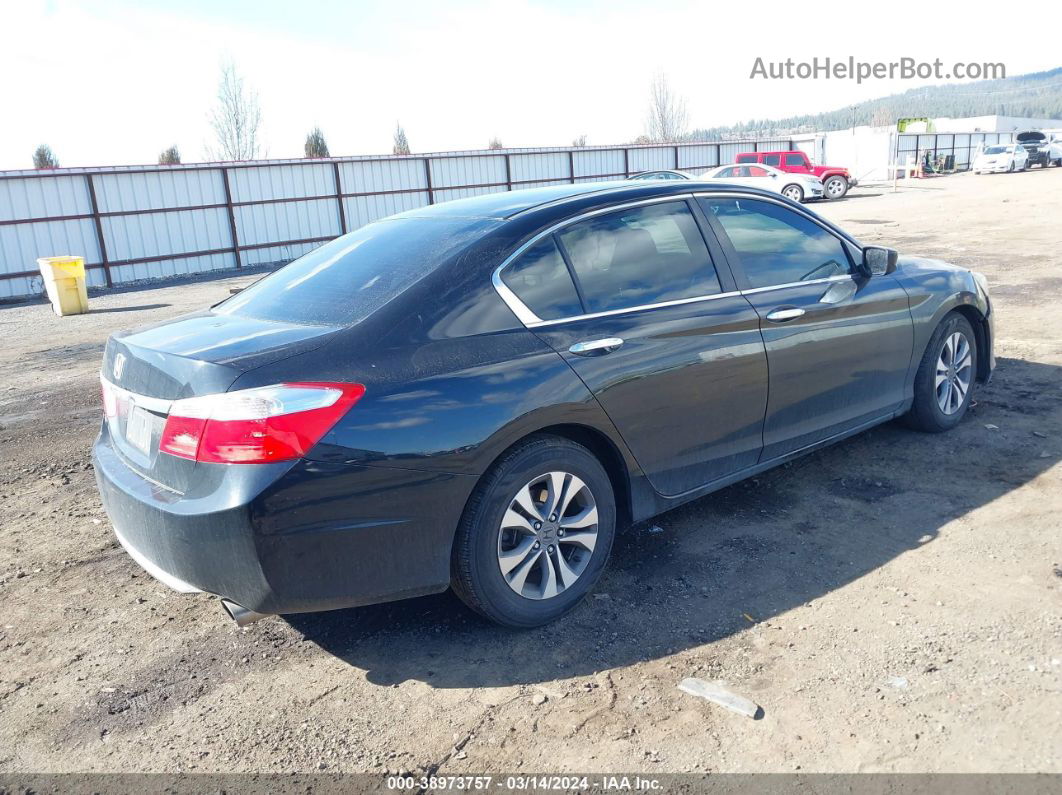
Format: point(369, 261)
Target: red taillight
point(256, 426)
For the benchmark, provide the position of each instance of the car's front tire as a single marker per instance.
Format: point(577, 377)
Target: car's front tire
point(943, 385)
point(536, 534)
point(794, 192)
point(835, 187)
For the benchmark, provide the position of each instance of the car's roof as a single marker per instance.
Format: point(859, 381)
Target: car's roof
point(561, 199)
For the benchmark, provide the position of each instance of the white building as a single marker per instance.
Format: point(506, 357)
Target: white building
point(868, 152)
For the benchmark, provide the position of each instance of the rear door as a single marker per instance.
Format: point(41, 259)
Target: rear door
point(838, 344)
point(796, 163)
point(633, 301)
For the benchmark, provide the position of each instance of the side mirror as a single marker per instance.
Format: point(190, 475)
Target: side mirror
point(879, 261)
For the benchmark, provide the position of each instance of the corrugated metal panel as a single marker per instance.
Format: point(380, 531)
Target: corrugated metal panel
point(728, 152)
point(649, 158)
point(152, 212)
point(275, 223)
point(363, 210)
point(369, 177)
point(456, 171)
point(157, 190)
point(273, 255)
point(281, 182)
point(539, 167)
point(172, 267)
point(153, 234)
point(21, 245)
point(596, 163)
point(43, 197)
point(464, 193)
point(697, 157)
point(20, 287)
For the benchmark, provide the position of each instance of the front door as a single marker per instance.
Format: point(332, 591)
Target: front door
point(838, 344)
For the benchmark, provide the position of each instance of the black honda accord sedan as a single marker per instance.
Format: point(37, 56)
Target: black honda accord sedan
point(478, 394)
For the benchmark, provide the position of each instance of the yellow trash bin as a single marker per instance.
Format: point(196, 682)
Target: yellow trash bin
point(64, 280)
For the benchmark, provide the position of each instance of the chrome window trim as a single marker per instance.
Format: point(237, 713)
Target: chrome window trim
point(530, 320)
point(156, 405)
point(841, 278)
point(642, 308)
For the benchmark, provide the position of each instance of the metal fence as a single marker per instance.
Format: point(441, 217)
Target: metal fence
point(133, 223)
point(961, 146)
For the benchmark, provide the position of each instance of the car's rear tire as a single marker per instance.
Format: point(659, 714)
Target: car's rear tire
point(835, 187)
point(943, 385)
point(794, 192)
point(518, 558)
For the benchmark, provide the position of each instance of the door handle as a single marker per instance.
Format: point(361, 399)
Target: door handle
point(606, 345)
point(782, 315)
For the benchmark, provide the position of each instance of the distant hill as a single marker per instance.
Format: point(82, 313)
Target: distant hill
point(1036, 95)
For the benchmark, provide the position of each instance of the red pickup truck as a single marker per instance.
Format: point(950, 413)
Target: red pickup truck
point(835, 181)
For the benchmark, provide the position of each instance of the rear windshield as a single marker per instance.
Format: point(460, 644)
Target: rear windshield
point(347, 279)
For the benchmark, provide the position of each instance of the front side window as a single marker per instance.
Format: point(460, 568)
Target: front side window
point(794, 160)
point(776, 245)
point(756, 171)
point(541, 280)
point(638, 256)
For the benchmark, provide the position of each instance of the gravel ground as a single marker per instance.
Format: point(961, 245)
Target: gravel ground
point(893, 603)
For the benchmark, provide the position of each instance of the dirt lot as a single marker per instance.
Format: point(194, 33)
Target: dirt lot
point(893, 603)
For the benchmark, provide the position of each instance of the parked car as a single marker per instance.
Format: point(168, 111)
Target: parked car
point(836, 181)
point(798, 187)
point(478, 393)
point(666, 173)
point(1000, 157)
point(1041, 150)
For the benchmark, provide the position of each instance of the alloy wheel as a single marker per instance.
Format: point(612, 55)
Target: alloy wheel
point(547, 535)
point(954, 370)
point(835, 188)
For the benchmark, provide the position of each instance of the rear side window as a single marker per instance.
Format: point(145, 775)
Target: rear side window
point(776, 245)
point(794, 160)
point(642, 255)
point(541, 280)
point(772, 160)
point(347, 279)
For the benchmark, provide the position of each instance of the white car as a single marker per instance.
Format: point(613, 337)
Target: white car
point(1000, 157)
point(798, 187)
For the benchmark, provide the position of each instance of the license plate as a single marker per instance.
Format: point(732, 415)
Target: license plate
point(138, 429)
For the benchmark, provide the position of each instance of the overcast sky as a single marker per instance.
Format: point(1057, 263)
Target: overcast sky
point(117, 82)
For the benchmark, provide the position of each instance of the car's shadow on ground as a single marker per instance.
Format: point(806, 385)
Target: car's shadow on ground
point(748, 553)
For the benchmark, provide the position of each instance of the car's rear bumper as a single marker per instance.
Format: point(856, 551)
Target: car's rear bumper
point(290, 538)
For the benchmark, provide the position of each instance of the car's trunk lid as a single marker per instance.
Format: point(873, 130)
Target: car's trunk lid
point(147, 369)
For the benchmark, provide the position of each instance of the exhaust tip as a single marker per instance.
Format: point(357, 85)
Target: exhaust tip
point(240, 614)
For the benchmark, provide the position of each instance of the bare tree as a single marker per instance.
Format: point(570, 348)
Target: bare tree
point(170, 157)
point(579, 140)
point(401, 146)
point(43, 157)
point(667, 119)
point(236, 118)
point(495, 143)
point(315, 144)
